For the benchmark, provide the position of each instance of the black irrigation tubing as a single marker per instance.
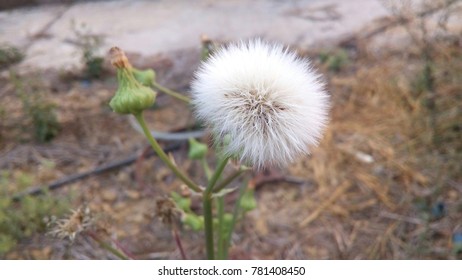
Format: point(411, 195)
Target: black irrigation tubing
point(36, 190)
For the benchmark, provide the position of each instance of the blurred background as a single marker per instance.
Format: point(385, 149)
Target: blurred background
point(385, 183)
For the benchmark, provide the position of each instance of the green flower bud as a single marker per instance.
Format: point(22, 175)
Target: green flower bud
point(193, 221)
point(248, 201)
point(226, 140)
point(227, 224)
point(131, 97)
point(197, 150)
point(184, 203)
point(228, 220)
point(145, 77)
point(207, 47)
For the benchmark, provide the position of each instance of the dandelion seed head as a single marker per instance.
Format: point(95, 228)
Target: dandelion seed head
point(270, 102)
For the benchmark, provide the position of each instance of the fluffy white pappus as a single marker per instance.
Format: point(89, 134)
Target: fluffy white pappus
point(270, 102)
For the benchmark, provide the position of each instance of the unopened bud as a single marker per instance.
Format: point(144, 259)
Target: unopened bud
point(131, 96)
point(248, 201)
point(197, 150)
point(193, 221)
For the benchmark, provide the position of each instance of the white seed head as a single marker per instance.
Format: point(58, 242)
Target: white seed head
point(270, 102)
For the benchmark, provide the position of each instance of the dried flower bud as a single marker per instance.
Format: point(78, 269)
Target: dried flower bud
point(131, 97)
point(207, 47)
point(76, 222)
point(167, 211)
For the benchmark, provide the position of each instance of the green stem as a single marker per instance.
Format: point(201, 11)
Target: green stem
point(221, 231)
point(236, 212)
point(229, 179)
point(207, 203)
point(205, 166)
point(163, 156)
point(208, 227)
point(172, 93)
point(216, 175)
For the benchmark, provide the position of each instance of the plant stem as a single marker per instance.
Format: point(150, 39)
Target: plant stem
point(172, 93)
point(123, 249)
point(216, 175)
point(107, 246)
point(221, 231)
point(163, 156)
point(229, 179)
point(208, 227)
point(176, 236)
point(207, 203)
point(205, 166)
point(236, 212)
point(222, 243)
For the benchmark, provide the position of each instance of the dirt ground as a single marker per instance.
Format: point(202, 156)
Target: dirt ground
point(385, 182)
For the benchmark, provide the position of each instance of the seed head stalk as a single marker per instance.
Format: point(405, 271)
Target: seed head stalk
point(163, 156)
point(207, 204)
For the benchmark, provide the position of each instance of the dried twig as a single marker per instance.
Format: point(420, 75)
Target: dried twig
point(338, 192)
point(176, 236)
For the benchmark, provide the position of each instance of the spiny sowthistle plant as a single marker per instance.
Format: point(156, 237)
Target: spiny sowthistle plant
point(336, 60)
point(89, 45)
point(265, 106)
point(39, 113)
point(9, 55)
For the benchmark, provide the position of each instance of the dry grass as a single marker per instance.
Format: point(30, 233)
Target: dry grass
point(387, 178)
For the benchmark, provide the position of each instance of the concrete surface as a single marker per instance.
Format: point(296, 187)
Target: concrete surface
point(153, 27)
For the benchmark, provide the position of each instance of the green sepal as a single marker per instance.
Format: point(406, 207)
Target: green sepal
point(145, 77)
point(131, 96)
